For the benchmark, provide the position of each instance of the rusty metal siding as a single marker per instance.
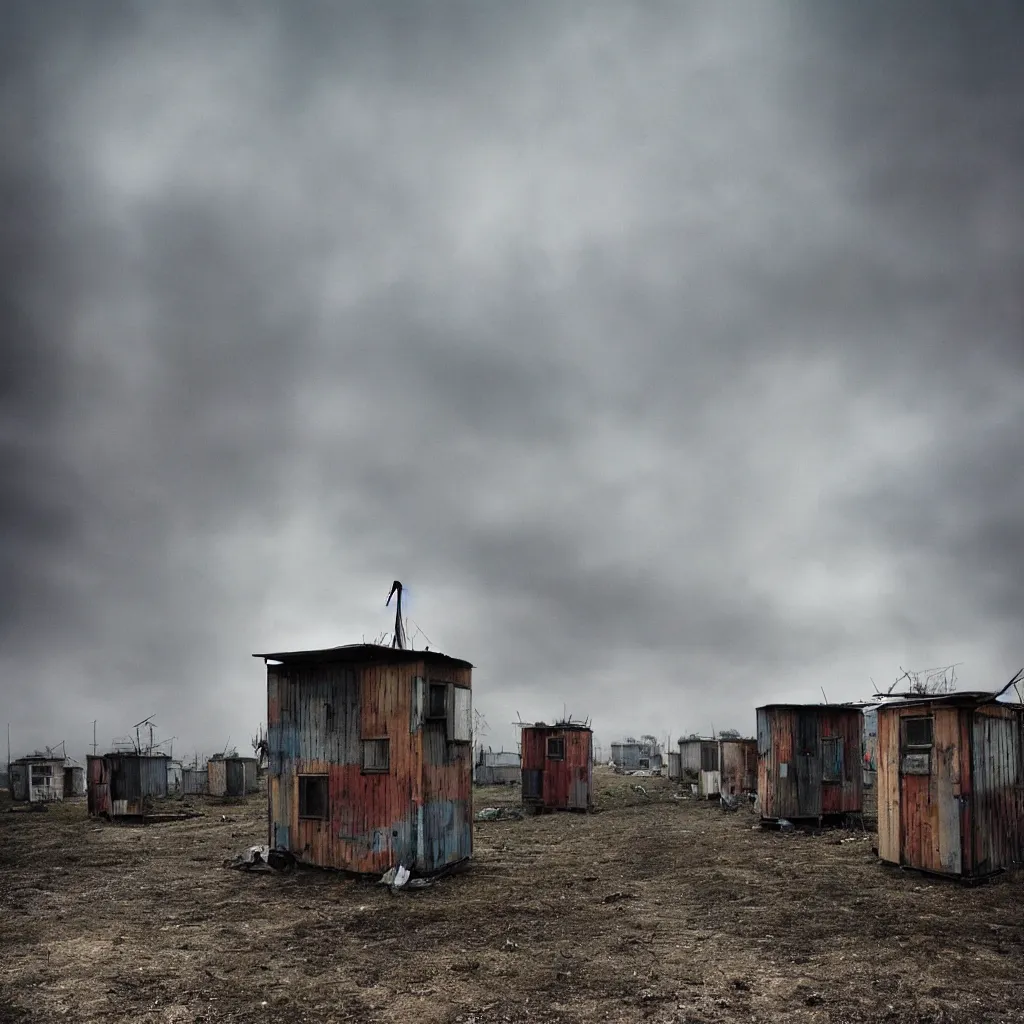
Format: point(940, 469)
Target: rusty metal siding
point(565, 784)
point(792, 781)
point(997, 839)
point(153, 777)
point(97, 786)
point(125, 785)
point(418, 812)
point(738, 761)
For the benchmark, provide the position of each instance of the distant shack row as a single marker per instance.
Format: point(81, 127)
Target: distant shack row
point(370, 765)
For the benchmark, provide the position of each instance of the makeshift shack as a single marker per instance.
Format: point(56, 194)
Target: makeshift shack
point(951, 784)
point(194, 781)
point(627, 756)
point(497, 768)
point(125, 785)
point(37, 779)
point(231, 776)
point(738, 764)
point(557, 767)
point(700, 765)
point(809, 761)
point(371, 758)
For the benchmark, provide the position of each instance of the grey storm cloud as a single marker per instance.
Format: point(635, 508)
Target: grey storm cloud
point(670, 354)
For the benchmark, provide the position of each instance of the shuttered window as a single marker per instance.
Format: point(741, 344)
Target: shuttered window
point(832, 759)
point(376, 756)
point(708, 758)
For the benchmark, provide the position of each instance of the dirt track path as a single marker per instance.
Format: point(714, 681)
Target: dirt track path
point(651, 910)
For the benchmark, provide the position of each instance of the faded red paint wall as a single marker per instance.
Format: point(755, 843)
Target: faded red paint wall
point(418, 812)
point(567, 783)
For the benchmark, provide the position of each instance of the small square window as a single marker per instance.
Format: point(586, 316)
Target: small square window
point(556, 748)
point(917, 732)
point(437, 701)
point(313, 797)
point(376, 756)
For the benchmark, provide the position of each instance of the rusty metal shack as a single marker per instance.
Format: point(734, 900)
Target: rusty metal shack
point(809, 761)
point(951, 784)
point(371, 757)
point(231, 776)
point(37, 779)
point(125, 785)
point(557, 767)
point(699, 765)
point(738, 760)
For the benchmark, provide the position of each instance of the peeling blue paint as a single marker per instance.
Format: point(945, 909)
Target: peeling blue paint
point(448, 833)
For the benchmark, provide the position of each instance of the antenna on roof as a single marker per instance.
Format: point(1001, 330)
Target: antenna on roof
point(399, 638)
point(146, 721)
point(823, 694)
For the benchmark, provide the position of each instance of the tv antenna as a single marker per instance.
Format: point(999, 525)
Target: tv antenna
point(146, 721)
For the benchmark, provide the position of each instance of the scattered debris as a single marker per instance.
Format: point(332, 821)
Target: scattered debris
point(639, 789)
point(785, 825)
point(499, 814)
point(729, 802)
point(400, 877)
point(396, 877)
point(262, 858)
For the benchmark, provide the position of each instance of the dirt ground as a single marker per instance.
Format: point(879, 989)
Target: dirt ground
point(650, 910)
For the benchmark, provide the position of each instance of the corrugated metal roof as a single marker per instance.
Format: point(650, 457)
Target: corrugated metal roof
point(362, 653)
point(966, 698)
point(852, 706)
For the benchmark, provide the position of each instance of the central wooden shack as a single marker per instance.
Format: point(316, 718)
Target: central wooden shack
point(370, 751)
point(809, 761)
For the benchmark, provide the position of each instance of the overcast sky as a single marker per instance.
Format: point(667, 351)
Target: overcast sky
point(670, 353)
